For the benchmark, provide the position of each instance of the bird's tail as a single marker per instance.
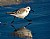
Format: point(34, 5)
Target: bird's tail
point(9, 12)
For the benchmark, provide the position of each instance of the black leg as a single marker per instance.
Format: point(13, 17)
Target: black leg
point(28, 20)
point(28, 24)
point(13, 27)
point(13, 20)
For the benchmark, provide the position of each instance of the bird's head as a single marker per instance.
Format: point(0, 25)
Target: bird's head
point(28, 8)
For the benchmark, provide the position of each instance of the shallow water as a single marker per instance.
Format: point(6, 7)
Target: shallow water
point(40, 26)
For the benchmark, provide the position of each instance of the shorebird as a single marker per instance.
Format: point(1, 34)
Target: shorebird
point(21, 13)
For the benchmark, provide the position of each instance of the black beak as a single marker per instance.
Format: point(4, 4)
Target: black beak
point(32, 10)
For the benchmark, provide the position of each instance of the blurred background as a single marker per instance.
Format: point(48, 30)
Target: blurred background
point(40, 26)
point(10, 2)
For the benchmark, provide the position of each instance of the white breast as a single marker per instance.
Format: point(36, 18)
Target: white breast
point(25, 14)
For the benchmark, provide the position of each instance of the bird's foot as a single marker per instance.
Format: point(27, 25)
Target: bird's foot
point(30, 21)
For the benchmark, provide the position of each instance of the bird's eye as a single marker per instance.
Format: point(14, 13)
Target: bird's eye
point(28, 8)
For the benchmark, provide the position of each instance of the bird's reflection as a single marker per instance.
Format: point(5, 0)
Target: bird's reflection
point(22, 32)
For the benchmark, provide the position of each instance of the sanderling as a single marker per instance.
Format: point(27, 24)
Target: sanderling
point(21, 13)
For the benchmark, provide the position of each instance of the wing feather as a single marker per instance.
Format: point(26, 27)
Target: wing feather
point(20, 11)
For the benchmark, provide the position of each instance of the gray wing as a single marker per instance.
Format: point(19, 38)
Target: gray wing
point(20, 11)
